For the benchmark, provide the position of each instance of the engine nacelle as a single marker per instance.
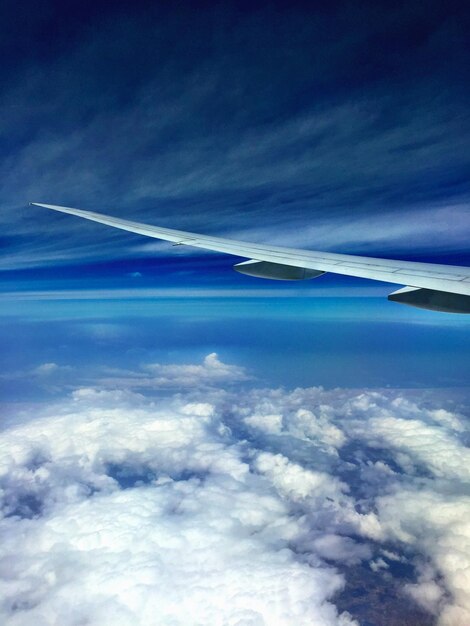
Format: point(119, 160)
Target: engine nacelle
point(432, 299)
point(275, 271)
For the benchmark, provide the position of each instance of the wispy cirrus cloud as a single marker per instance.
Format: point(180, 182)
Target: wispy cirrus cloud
point(333, 158)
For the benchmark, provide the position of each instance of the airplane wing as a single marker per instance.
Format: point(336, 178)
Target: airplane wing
point(427, 285)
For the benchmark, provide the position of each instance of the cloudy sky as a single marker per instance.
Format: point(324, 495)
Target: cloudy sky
point(184, 445)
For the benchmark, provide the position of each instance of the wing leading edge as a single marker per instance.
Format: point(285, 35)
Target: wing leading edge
point(430, 286)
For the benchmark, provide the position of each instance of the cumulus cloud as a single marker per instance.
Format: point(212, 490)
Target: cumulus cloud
point(211, 506)
point(149, 516)
point(46, 368)
point(438, 524)
point(209, 373)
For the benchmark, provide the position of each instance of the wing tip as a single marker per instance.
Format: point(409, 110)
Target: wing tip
point(46, 206)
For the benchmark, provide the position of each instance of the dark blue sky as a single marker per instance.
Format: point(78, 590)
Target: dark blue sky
point(339, 126)
point(267, 429)
point(349, 122)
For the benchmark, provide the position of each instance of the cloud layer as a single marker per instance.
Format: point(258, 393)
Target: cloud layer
point(150, 516)
point(212, 506)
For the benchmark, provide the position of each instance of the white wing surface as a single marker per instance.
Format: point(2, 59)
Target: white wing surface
point(428, 285)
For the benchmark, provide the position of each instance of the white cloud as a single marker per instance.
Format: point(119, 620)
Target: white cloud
point(211, 372)
point(426, 592)
point(45, 369)
point(432, 447)
point(378, 564)
point(216, 506)
point(198, 539)
point(438, 525)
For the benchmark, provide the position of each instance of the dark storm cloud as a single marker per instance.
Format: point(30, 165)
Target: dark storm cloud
point(225, 119)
